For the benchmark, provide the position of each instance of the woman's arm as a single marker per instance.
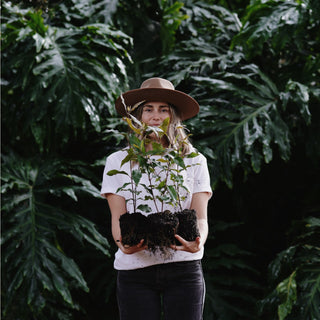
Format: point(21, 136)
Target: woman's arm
point(200, 204)
point(117, 205)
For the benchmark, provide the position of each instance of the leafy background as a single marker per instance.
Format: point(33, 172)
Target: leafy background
point(254, 68)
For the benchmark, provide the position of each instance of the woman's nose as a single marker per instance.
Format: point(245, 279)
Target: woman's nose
point(156, 115)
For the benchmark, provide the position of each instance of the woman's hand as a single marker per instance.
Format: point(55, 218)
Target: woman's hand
point(189, 246)
point(131, 249)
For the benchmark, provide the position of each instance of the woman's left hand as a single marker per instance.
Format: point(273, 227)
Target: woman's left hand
point(189, 246)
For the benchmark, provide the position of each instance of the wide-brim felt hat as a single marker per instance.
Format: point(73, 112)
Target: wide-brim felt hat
point(157, 90)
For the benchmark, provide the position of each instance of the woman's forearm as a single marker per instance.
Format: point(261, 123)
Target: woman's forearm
point(203, 230)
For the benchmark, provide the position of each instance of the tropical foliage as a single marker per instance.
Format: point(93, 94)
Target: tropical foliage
point(254, 68)
point(297, 269)
point(35, 258)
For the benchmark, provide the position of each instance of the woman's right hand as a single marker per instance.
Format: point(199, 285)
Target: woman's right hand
point(131, 249)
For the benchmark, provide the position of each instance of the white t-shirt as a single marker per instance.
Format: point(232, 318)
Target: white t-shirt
point(196, 179)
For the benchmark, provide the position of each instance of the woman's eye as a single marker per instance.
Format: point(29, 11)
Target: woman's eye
point(165, 110)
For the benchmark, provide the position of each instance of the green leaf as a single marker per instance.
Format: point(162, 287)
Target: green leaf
point(192, 155)
point(115, 172)
point(70, 192)
point(129, 157)
point(132, 127)
point(268, 21)
point(171, 20)
point(172, 192)
point(144, 208)
point(37, 266)
point(165, 125)
point(298, 93)
point(123, 187)
point(62, 75)
point(312, 222)
point(287, 290)
point(85, 185)
point(136, 176)
point(179, 161)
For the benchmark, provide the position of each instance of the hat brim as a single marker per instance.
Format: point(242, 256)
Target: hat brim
point(186, 106)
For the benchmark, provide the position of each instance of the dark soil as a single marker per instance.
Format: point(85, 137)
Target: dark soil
point(188, 226)
point(158, 229)
point(163, 227)
point(133, 228)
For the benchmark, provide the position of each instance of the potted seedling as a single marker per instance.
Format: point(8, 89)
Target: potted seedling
point(163, 168)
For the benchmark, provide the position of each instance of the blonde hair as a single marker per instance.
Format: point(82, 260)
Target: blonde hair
point(176, 136)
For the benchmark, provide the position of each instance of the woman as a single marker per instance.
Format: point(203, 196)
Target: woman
point(149, 284)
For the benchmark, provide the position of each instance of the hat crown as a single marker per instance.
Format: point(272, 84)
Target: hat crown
point(157, 83)
point(158, 89)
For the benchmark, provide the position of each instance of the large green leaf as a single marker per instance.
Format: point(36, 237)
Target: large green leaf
point(295, 276)
point(79, 12)
point(37, 269)
point(170, 22)
point(246, 110)
point(270, 21)
point(60, 78)
point(287, 290)
point(244, 130)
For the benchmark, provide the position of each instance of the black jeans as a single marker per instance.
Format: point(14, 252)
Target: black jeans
point(174, 291)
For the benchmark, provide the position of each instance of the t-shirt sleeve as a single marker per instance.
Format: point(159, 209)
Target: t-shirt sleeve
point(111, 183)
point(201, 176)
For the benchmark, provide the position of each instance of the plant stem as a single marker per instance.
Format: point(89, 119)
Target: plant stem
point(151, 187)
point(166, 179)
point(134, 189)
point(178, 191)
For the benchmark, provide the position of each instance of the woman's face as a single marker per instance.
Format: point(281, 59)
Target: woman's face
point(154, 113)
